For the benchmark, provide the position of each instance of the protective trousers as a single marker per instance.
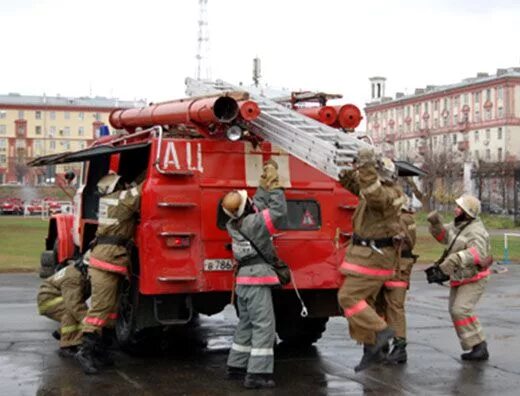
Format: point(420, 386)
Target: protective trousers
point(357, 296)
point(254, 338)
point(461, 304)
point(103, 309)
point(391, 300)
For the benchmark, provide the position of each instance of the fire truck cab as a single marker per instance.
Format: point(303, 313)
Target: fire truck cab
point(181, 262)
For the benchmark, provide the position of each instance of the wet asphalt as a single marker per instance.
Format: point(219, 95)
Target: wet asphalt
point(193, 361)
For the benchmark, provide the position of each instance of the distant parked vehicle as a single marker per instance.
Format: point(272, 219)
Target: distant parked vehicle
point(11, 206)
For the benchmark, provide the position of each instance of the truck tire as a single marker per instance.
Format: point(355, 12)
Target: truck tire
point(300, 332)
point(47, 264)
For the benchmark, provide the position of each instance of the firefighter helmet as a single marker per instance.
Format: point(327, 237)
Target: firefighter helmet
point(234, 203)
point(386, 169)
point(469, 204)
point(107, 184)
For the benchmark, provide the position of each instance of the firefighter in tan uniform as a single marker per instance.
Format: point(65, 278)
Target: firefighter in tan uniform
point(371, 257)
point(392, 297)
point(466, 264)
point(108, 263)
point(62, 298)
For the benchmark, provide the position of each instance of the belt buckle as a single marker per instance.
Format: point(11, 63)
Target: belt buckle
point(364, 242)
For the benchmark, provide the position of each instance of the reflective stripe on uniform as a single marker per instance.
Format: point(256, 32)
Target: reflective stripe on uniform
point(110, 201)
point(122, 195)
point(465, 321)
point(107, 221)
point(257, 280)
point(373, 187)
point(476, 278)
point(134, 192)
point(241, 348)
point(474, 252)
point(103, 265)
point(90, 320)
point(360, 269)
point(441, 235)
point(262, 352)
point(46, 305)
point(357, 307)
point(268, 221)
point(112, 316)
point(70, 329)
point(396, 284)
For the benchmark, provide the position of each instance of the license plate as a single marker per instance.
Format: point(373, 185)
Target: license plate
point(218, 265)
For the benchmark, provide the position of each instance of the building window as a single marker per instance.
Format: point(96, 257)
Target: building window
point(3, 143)
point(476, 155)
point(417, 125)
point(38, 130)
point(3, 114)
point(456, 101)
point(81, 115)
point(408, 111)
point(476, 136)
point(454, 138)
point(82, 145)
point(52, 144)
point(66, 115)
point(488, 114)
point(97, 116)
point(66, 131)
point(408, 145)
point(3, 130)
point(499, 133)
point(436, 123)
point(38, 146)
point(444, 139)
point(435, 141)
point(21, 114)
point(488, 94)
point(52, 115)
point(499, 155)
point(436, 105)
point(500, 112)
point(465, 98)
point(500, 93)
point(477, 97)
point(52, 131)
point(425, 107)
point(38, 115)
point(477, 116)
point(488, 134)
point(81, 131)
point(3, 159)
point(488, 154)
point(445, 104)
point(455, 119)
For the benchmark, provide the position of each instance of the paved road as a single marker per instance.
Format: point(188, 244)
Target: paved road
point(29, 364)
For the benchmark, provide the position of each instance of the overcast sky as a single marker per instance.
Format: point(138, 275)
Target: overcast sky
point(145, 49)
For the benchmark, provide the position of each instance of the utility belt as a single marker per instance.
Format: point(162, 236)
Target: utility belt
point(111, 240)
point(378, 243)
point(251, 261)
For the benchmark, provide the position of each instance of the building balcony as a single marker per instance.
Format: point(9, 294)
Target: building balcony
point(463, 146)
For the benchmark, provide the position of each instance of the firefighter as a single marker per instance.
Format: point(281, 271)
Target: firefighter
point(391, 299)
point(371, 257)
point(466, 264)
point(62, 298)
point(251, 227)
point(109, 262)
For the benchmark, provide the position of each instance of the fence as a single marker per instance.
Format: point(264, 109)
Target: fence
point(506, 246)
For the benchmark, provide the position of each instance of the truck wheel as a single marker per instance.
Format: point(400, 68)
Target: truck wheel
point(47, 264)
point(300, 332)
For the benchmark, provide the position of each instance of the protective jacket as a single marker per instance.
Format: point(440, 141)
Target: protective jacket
point(376, 220)
point(464, 261)
point(69, 286)
point(270, 212)
point(117, 220)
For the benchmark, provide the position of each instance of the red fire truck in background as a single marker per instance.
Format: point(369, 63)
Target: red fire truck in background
point(181, 262)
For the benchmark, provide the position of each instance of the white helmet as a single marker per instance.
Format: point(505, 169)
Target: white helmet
point(107, 183)
point(469, 204)
point(386, 169)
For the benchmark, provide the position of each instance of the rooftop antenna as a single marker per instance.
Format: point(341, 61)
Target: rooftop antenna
point(257, 72)
point(203, 66)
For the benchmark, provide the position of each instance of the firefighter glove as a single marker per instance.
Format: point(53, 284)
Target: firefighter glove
point(269, 178)
point(434, 218)
point(366, 156)
point(435, 275)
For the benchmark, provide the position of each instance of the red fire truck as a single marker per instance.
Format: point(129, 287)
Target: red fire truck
point(181, 263)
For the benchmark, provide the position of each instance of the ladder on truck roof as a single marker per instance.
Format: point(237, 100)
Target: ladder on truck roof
point(320, 146)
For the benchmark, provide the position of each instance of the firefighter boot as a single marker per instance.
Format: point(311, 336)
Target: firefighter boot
point(479, 352)
point(367, 359)
point(68, 352)
point(85, 356)
point(102, 356)
point(257, 381)
point(372, 353)
point(235, 373)
point(398, 354)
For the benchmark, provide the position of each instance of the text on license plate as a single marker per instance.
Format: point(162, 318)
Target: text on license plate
point(218, 265)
